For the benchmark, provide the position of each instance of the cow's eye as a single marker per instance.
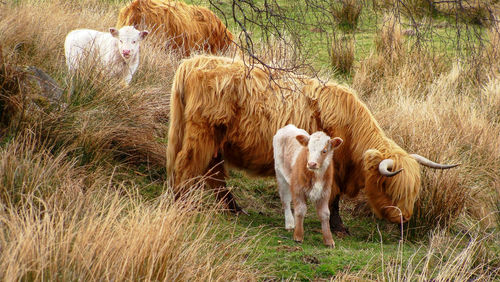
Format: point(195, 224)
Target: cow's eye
point(324, 151)
point(133, 42)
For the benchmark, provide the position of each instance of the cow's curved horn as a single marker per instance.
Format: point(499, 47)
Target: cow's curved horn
point(424, 161)
point(385, 165)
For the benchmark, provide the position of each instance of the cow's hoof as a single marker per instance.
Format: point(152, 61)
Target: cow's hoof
point(330, 245)
point(341, 231)
point(241, 211)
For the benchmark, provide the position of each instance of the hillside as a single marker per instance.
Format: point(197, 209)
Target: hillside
point(84, 193)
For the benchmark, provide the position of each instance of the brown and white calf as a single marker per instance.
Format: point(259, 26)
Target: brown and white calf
point(304, 169)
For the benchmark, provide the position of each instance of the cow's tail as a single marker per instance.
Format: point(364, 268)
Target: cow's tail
point(177, 125)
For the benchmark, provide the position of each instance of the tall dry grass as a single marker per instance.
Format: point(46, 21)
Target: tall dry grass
point(395, 64)
point(462, 257)
point(110, 233)
point(438, 111)
point(444, 257)
point(27, 169)
point(98, 119)
point(67, 209)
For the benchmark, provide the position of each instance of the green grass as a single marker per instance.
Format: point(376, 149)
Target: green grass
point(374, 249)
point(312, 259)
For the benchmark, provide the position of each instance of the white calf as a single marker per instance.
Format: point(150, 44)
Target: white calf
point(118, 50)
point(304, 169)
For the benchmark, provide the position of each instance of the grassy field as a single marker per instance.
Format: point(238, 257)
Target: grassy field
point(83, 188)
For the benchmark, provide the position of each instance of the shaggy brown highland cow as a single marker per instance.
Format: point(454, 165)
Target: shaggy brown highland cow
point(180, 26)
point(223, 111)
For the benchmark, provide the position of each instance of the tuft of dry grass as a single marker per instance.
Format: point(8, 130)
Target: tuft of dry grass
point(442, 256)
point(29, 169)
point(347, 12)
point(394, 65)
point(445, 257)
point(459, 258)
point(491, 53)
point(104, 234)
point(342, 54)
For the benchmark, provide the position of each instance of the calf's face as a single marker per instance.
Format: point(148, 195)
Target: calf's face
point(319, 149)
point(128, 40)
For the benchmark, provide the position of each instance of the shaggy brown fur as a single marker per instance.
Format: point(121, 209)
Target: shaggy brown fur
point(187, 27)
point(220, 107)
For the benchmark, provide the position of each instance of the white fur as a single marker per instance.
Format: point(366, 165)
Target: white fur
point(109, 49)
point(316, 192)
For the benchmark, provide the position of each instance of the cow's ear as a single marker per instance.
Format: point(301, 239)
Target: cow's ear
point(335, 142)
point(143, 34)
point(303, 140)
point(113, 32)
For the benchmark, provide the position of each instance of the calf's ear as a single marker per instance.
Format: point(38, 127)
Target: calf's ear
point(113, 32)
point(335, 142)
point(143, 34)
point(303, 140)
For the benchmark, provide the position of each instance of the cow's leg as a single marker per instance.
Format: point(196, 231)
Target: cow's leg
point(336, 223)
point(195, 156)
point(200, 156)
point(217, 174)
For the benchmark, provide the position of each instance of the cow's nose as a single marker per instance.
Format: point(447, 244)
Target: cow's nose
point(312, 165)
point(126, 52)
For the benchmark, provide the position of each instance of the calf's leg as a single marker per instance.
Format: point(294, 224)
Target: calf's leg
point(300, 210)
point(324, 216)
point(286, 200)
